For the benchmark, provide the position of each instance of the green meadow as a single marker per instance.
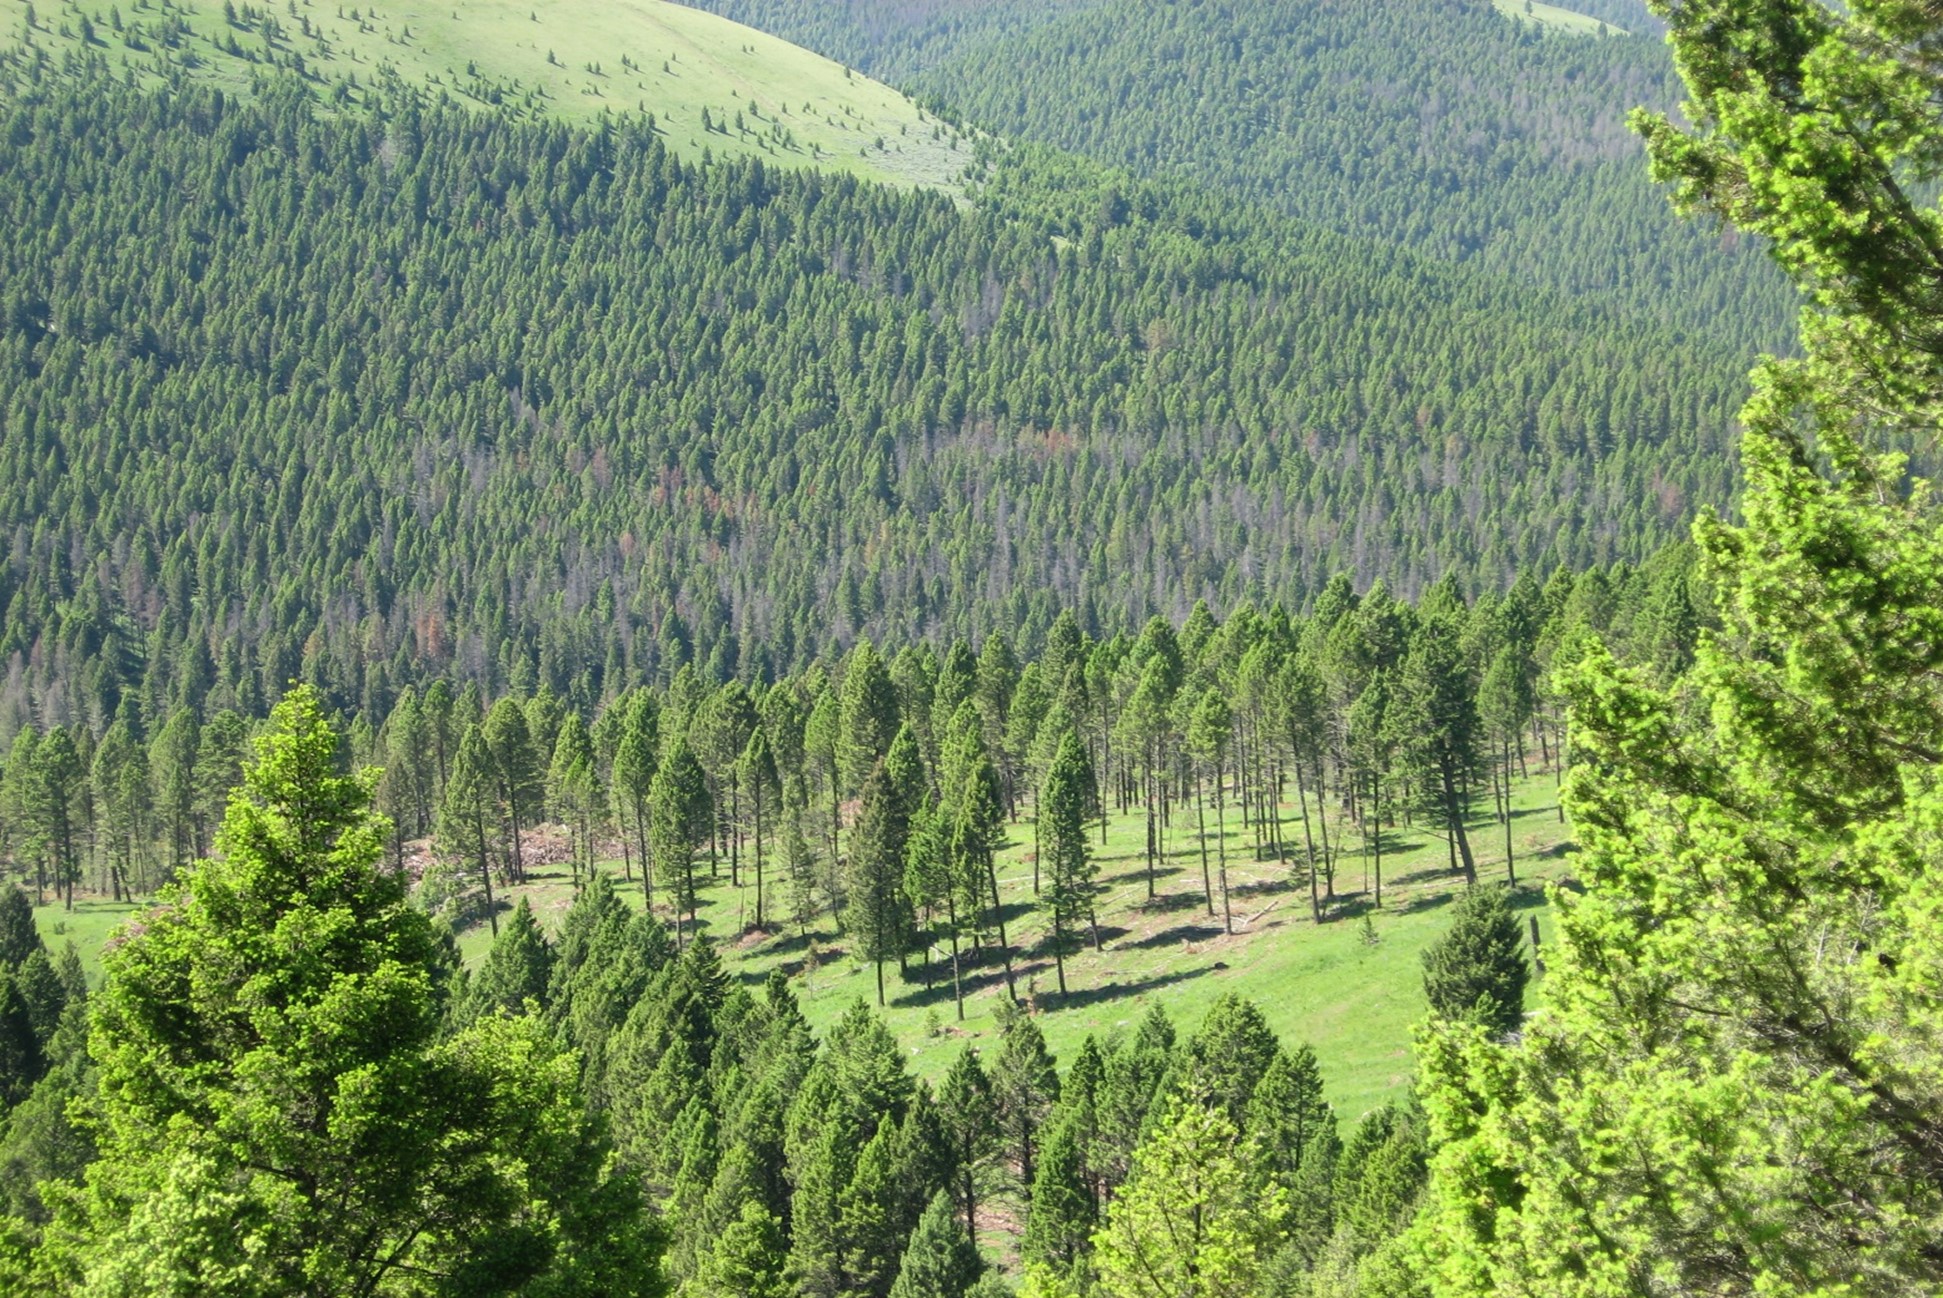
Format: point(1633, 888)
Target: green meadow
point(1350, 987)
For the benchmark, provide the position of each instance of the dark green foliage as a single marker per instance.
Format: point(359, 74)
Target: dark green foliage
point(22, 1060)
point(1066, 856)
point(879, 909)
point(517, 970)
point(1443, 126)
point(683, 820)
point(19, 938)
point(406, 407)
point(939, 1262)
point(1025, 1084)
point(1065, 1206)
point(1477, 970)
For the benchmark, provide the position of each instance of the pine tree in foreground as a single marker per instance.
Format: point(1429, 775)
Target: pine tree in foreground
point(277, 1104)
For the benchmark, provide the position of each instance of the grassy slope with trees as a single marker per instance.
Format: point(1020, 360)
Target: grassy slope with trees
point(709, 84)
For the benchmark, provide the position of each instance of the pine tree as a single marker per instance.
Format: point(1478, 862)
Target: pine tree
point(19, 936)
point(516, 771)
point(1437, 712)
point(867, 715)
point(518, 968)
point(1193, 1220)
point(1209, 732)
point(172, 759)
point(879, 912)
point(1025, 1085)
point(1064, 1213)
point(764, 787)
point(56, 808)
point(1477, 970)
point(469, 810)
point(573, 787)
point(326, 1138)
point(938, 1262)
point(634, 768)
point(683, 819)
point(965, 1103)
point(1063, 806)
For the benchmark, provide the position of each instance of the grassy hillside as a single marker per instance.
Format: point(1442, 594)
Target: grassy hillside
point(1552, 16)
point(569, 59)
point(1351, 990)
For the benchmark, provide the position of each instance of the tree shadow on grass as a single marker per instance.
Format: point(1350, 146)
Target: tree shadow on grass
point(974, 979)
point(1081, 997)
point(1168, 902)
point(1172, 937)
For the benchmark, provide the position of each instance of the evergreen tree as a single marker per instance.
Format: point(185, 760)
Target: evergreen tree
point(879, 911)
point(758, 776)
point(469, 810)
point(867, 715)
point(1063, 806)
point(1477, 970)
point(518, 969)
point(322, 1137)
point(1064, 1213)
point(683, 819)
point(1194, 1220)
point(517, 774)
point(939, 1262)
point(634, 769)
point(970, 1121)
point(1025, 1085)
point(172, 760)
point(19, 936)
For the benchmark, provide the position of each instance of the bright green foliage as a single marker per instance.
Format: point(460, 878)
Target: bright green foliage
point(1194, 1219)
point(1477, 971)
point(277, 1111)
point(1736, 1083)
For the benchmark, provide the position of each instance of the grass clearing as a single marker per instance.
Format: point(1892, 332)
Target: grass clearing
point(1555, 18)
point(574, 60)
point(1351, 991)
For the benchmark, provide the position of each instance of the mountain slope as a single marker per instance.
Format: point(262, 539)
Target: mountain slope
point(1447, 126)
point(370, 395)
point(571, 60)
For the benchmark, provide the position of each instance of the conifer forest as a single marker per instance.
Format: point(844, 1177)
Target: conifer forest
point(958, 648)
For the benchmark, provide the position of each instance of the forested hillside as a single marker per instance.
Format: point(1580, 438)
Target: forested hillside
point(1445, 127)
point(366, 397)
